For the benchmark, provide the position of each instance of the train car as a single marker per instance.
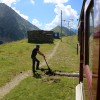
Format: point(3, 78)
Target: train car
point(89, 44)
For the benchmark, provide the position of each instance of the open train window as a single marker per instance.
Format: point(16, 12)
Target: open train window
point(91, 23)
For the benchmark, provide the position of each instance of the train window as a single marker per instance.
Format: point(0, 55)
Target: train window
point(91, 23)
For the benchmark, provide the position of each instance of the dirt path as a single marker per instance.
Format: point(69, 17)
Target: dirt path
point(14, 82)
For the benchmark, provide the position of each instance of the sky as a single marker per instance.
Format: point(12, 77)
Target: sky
point(46, 14)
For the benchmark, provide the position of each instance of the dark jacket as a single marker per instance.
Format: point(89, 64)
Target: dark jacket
point(34, 52)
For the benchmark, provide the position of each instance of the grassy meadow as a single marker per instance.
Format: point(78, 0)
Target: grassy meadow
point(15, 57)
point(66, 58)
point(45, 87)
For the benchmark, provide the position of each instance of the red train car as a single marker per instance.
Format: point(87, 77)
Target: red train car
point(89, 43)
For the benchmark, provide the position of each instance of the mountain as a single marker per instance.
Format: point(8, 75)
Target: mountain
point(74, 30)
point(58, 29)
point(12, 26)
point(65, 30)
point(68, 31)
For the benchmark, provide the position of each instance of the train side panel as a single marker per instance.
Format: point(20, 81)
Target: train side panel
point(96, 55)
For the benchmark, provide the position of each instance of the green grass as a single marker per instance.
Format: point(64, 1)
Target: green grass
point(49, 87)
point(46, 88)
point(66, 58)
point(15, 57)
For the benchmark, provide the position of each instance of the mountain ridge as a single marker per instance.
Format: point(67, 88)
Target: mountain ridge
point(12, 26)
point(65, 30)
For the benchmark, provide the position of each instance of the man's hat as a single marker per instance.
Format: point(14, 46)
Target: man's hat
point(37, 46)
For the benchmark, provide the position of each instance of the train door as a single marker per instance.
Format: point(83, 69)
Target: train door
point(96, 53)
point(88, 49)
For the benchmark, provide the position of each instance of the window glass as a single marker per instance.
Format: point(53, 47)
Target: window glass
point(91, 23)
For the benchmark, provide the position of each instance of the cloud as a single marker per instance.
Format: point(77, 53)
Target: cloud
point(9, 2)
point(22, 15)
point(67, 13)
point(36, 23)
point(32, 1)
point(54, 23)
point(56, 1)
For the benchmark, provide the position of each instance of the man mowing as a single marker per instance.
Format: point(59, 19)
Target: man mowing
point(34, 58)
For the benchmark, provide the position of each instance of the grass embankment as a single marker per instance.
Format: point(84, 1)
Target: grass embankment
point(51, 87)
point(15, 57)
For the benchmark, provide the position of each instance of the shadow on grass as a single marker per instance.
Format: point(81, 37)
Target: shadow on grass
point(43, 69)
point(37, 75)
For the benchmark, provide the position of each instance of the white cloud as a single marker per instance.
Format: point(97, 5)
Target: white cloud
point(22, 15)
point(32, 1)
point(36, 23)
point(54, 23)
point(9, 2)
point(67, 13)
point(56, 1)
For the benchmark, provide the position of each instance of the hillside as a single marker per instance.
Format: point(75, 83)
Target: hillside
point(65, 30)
point(58, 29)
point(12, 26)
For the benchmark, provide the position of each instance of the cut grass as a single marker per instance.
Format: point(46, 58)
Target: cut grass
point(46, 88)
point(15, 57)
